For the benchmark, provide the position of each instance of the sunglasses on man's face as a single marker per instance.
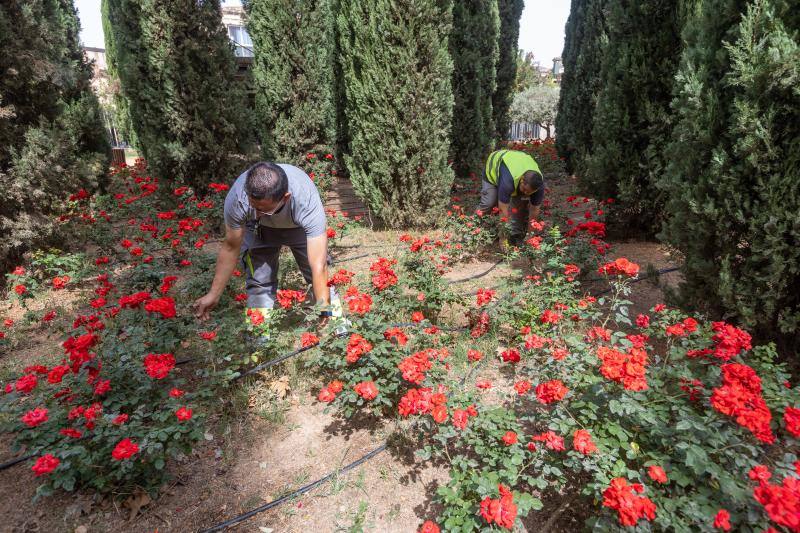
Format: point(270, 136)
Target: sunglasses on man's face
point(273, 211)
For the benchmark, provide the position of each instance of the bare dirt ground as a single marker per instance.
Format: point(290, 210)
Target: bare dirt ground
point(255, 453)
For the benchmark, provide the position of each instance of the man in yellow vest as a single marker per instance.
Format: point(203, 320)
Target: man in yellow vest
point(512, 179)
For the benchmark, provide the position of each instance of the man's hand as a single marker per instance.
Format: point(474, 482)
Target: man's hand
point(203, 305)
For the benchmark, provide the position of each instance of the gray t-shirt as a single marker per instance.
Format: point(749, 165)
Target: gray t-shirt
point(303, 210)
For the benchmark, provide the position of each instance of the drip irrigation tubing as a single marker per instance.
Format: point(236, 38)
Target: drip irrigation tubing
point(14, 462)
point(302, 490)
point(335, 261)
point(658, 273)
point(298, 351)
point(275, 361)
point(462, 280)
point(365, 246)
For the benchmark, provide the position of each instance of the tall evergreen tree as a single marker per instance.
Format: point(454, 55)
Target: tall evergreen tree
point(52, 138)
point(399, 105)
point(176, 67)
point(510, 11)
point(632, 116)
point(122, 110)
point(733, 180)
point(293, 74)
point(474, 48)
point(584, 45)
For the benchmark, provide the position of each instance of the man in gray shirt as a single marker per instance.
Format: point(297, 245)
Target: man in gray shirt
point(269, 206)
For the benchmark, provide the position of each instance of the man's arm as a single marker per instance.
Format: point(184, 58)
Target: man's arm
point(226, 261)
point(318, 260)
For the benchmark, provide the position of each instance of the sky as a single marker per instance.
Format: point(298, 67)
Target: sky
point(541, 27)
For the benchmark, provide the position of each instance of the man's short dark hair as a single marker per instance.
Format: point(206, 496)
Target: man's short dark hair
point(266, 180)
point(533, 179)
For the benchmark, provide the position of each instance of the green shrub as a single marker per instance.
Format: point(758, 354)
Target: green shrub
point(176, 70)
point(474, 49)
point(293, 74)
point(51, 135)
point(732, 184)
point(631, 120)
point(397, 81)
point(584, 46)
point(510, 12)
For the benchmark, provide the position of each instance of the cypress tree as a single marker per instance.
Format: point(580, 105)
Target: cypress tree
point(632, 116)
point(733, 179)
point(474, 48)
point(176, 67)
point(293, 73)
point(122, 109)
point(584, 45)
point(52, 138)
point(399, 103)
point(510, 11)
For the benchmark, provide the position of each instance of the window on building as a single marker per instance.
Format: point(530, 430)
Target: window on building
point(243, 45)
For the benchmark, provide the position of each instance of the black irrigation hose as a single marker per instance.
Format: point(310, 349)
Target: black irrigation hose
point(462, 280)
point(335, 261)
point(13, 462)
point(302, 490)
point(658, 273)
point(275, 361)
point(365, 246)
point(298, 351)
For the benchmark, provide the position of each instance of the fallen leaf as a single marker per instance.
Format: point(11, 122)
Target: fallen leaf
point(81, 529)
point(280, 386)
point(136, 502)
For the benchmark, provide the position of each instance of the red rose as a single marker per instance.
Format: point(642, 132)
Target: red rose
point(71, 432)
point(474, 355)
point(45, 464)
point(367, 390)
point(26, 383)
point(551, 440)
point(629, 506)
point(158, 366)
point(722, 520)
point(184, 413)
point(120, 419)
point(125, 449)
point(308, 339)
point(522, 387)
point(35, 417)
point(326, 395)
point(791, 417)
point(439, 414)
point(429, 527)
point(164, 306)
point(551, 391)
point(102, 387)
point(356, 347)
point(176, 393)
point(510, 438)
point(208, 335)
point(510, 356)
point(582, 442)
point(657, 474)
point(502, 511)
